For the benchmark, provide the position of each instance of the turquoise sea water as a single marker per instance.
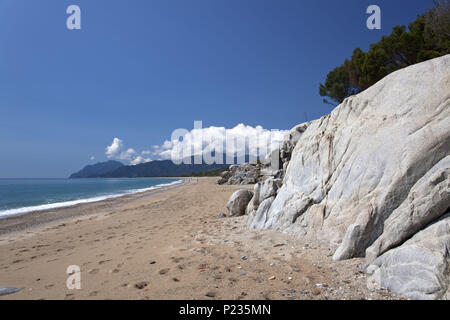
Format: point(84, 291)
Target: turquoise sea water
point(21, 196)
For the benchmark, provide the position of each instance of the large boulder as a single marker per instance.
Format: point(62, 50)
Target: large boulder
point(259, 217)
point(426, 202)
point(418, 269)
point(374, 172)
point(290, 141)
point(262, 191)
point(269, 188)
point(224, 177)
point(255, 201)
point(238, 202)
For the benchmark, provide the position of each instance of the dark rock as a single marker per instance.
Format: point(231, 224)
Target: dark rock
point(242, 174)
point(8, 290)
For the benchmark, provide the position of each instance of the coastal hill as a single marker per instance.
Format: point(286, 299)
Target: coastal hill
point(97, 169)
point(157, 168)
point(371, 179)
point(162, 168)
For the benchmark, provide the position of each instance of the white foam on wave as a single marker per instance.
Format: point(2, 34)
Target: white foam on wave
point(43, 207)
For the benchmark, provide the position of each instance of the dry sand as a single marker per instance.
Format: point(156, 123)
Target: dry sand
point(169, 245)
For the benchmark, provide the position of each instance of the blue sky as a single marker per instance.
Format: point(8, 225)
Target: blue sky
point(138, 69)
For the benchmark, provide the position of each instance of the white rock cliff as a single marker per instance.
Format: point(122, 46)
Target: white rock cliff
point(372, 179)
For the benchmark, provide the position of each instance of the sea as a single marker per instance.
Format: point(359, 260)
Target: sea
point(23, 196)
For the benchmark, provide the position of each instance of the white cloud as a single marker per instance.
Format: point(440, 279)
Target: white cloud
point(128, 154)
point(92, 158)
point(242, 140)
point(238, 141)
point(163, 151)
point(116, 151)
point(139, 160)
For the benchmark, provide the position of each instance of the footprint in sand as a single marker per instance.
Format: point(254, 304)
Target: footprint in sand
point(93, 271)
point(69, 296)
point(210, 294)
point(163, 271)
point(93, 294)
point(114, 271)
point(141, 285)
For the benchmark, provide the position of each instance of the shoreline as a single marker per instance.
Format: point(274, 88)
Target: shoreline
point(27, 221)
point(15, 212)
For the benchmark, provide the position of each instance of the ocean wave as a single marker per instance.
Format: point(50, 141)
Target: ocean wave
point(43, 207)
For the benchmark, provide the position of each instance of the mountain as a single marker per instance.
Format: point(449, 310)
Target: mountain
point(161, 168)
point(158, 168)
point(97, 169)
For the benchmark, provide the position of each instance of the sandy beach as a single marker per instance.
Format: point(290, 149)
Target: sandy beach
point(168, 244)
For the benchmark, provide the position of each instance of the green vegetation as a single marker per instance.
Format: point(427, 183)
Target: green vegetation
point(426, 38)
point(214, 173)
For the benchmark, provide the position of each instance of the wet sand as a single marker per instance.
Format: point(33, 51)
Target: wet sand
point(169, 244)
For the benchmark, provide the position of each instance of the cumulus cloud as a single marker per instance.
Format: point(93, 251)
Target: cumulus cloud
point(117, 151)
point(211, 145)
point(129, 154)
point(139, 160)
point(240, 141)
point(114, 149)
